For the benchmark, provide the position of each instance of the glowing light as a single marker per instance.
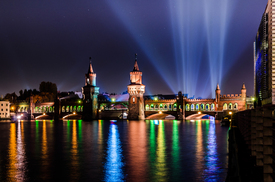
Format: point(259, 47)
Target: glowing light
point(113, 165)
point(21, 114)
point(79, 101)
point(199, 112)
point(113, 99)
point(44, 113)
point(230, 112)
point(74, 113)
point(160, 112)
point(156, 98)
point(253, 98)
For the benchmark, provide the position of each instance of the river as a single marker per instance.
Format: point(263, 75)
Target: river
point(150, 150)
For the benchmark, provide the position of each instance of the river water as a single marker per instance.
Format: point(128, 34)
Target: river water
point(150, 150)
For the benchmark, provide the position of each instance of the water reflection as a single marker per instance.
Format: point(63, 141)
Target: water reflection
point(161, 172)
point(175, 151)
point(113, 165)
point(211, 171)
point(199, 145)
point(12, 154)
point(137, 151)
point(74, 153)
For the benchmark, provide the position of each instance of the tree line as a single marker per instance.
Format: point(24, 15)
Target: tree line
point(47, 93)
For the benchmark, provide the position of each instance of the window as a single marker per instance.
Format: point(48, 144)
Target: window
point(6, 104)
point(1, 109)
point(6, 109)
point(134, 99)
point(1, 104)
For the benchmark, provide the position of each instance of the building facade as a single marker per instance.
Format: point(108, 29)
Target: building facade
point(264, 57)
point(4, 109)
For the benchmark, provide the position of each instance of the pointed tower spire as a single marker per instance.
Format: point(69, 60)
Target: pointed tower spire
point(136, 65)
point(218, 87)
point(90, 66)
point(243, 86)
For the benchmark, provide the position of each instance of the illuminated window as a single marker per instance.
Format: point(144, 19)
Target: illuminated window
point(170, 107)
point(165, 107)
point(134, 99)
point(207, 107)
point(147, 107)
point(175, 107)
point(225, 106)
point(230, 106)
point(187, 107)
point(160, 106)
point(197, 107)
point(63, 108)
point(202, 107)
point(212, 107)
point(192, 107)
point(156, 107)
point(235, 106)
point(152, 107)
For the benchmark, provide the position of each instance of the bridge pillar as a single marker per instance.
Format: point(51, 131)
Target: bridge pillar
point(90, 93)
point(180, 106)
point(136, 90)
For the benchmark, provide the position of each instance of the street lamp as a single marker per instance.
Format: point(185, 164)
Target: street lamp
point(199, 112)
point(230, 113)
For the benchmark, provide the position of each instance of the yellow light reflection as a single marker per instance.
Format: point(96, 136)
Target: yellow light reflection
point(161, 147)
point(199, 146)
point(12, 169)
point(74, 153)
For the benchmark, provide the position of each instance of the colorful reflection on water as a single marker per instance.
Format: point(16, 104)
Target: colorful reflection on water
point(151, 150)
point(114, 164)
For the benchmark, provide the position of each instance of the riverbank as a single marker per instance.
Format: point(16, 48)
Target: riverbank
point(241, 164)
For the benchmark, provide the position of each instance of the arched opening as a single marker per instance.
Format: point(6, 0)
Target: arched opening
point(170, 107)
point(161, 107)
point(192, 107)
point(71, 108)
point(51, 109)
point(175, 107)
point(207, 107)
point(147, 107)
point(224, 106)
point(187, 107)
point(67, 108)
point(235, 106)
point(156, 107)
point(197, 107)
point(152, 107)
point(202, 107)
point(230, 106)
point(74, 109)
point(63, 108)
point(212, 107)
point(165, 107)
point(78, 108)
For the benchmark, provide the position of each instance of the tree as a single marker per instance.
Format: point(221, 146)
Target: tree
point(48, 87)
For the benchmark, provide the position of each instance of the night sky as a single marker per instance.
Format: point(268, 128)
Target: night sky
point(182, 45)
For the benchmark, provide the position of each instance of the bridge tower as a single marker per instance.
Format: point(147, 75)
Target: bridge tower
point(243, 91)
point(90, 93)
point(136, 90)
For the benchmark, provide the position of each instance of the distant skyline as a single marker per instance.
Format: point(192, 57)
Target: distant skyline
point(185, 46)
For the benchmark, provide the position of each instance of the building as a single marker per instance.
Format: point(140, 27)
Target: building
point(4, 109)
point(264, 58)
point(136, 90)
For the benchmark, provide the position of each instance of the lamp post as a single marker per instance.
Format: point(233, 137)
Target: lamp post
point(230, 113)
